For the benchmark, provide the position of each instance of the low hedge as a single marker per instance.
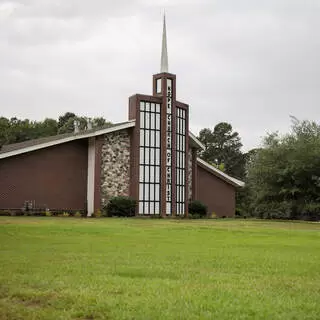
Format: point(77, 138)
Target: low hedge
point(120, 207)
point(197, 209)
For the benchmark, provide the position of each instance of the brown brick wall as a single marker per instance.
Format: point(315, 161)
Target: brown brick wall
point(55, 177)
point(218, 195)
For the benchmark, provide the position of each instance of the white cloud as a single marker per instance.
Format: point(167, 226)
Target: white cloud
point(250, 63)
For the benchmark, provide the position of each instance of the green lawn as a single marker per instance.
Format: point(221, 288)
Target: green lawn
point(68, 268)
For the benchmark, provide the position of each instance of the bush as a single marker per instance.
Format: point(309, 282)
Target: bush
point(78, 214)
point(97, 214)
point(5, 213)
point(197, 208)
point(120, 207)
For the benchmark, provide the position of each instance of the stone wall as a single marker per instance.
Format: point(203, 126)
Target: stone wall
point(115, 165)
point(190, 174)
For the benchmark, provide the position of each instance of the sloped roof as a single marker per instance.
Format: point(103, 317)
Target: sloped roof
point(35, 144)
point(220, 174)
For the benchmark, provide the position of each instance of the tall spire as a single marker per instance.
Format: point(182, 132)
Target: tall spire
point(164, 52)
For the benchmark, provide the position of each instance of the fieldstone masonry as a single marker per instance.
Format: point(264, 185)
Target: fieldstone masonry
point(115, 165)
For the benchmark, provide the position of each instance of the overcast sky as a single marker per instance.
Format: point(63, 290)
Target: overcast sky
point(252, 63)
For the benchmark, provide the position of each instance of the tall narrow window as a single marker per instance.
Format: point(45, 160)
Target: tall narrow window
point(180, 160)
point(149, 163)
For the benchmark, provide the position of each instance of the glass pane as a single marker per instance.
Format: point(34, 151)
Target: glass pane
point(159, 85)
point(168, 209)
point(141, 173)
point(147, 138)
point(146, 208)
point(140, 207)
point(141, 137)
point(146, 156)
point(147, 106)
point(141, 191)
point(142, 106)
point(152, 151)
point(152, 107)
point(158, 121)
point(151, 208)
point(158, 139)
point(152, 138)
point(157, 208)
point(152, 121)
point(157, 175)
point(146, 173)
point(157, 157)
point(151, 192)
point(141, 119)
point(147, 124)
point(152, 177)
point(157, 192)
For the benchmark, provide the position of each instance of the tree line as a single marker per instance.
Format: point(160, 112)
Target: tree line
point(15, 130)
point(282, 177)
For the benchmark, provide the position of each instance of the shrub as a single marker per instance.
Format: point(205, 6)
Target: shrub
point(197, 208)
point(5, 213)
point(65, 214)
point(120, 207)
point(48, 214)
point(97, 214)
point(78, 214)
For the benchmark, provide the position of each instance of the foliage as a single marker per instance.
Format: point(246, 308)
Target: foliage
point(97, 214)
point(120, 206)
point(78, 214)
point(197, 209)
point(16, 130)
point(223, 149)
point(284, 176)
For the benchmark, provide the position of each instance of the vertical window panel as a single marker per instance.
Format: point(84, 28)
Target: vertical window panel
point(157, 121)
point(149, 158)
point(142, 120)
point(158, 85)
point(146, 208)
point(151, 192)
point(141, 207)
point(157, 192)
point(158, 139)
point(157, 208)
point(141, 173)
point(152, 121)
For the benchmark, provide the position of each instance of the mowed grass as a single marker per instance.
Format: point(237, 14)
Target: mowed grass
point(67, 268)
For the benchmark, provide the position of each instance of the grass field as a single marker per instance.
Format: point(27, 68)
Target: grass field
point(67, 268)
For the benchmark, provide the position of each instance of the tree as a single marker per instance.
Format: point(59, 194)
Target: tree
point(223, 148)
point(17, 130)
point(284, 176)
point(65, 118)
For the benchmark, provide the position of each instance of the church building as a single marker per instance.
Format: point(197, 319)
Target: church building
point(152, 157)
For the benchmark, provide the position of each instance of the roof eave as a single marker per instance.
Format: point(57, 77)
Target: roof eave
point(220, 174)
point(85, 135)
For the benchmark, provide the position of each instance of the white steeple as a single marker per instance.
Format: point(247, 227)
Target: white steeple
point(164, 52)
